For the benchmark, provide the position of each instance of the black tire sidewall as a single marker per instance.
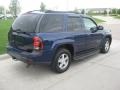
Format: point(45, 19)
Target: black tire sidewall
point(55, 66)
point(103, 48)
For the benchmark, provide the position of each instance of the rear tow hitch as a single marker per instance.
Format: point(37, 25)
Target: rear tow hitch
point(29, 63)
point(14, 59)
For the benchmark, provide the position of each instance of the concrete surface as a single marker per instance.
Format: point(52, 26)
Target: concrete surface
point(4, 56)
point(115, 29)
point(111, 24)
point(108, 19)
point(98, 72)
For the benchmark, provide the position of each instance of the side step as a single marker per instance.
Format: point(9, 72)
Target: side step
point(86, 55)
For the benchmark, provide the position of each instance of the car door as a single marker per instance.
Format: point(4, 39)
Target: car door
point(75, 29)
point(93, 39)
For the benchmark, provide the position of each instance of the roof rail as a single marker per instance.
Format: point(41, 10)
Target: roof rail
point(33, 11)
point(51, 11)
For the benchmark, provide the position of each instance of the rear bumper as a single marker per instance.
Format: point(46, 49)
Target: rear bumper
point(34, 57)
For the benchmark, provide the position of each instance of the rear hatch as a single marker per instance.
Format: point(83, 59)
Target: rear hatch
point(22, 31)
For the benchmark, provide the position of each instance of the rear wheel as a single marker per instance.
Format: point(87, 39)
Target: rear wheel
point(62, 60)
point(106, 46)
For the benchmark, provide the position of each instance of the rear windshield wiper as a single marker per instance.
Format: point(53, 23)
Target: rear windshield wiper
point(20, 31)
point(17, 30)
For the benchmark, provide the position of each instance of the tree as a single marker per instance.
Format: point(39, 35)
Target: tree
point(83, 11)
point(1, 10)
point(110, 12)
point(8, 11)
point(14, 7)
point(105, 12)
point(42, 7)
point(118, 11)
point(114, 11)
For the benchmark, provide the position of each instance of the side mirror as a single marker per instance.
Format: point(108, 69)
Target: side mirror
point(100, 27)
point(93, 29)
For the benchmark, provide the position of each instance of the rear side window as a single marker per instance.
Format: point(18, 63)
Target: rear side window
point(26, 22)
point(51, 23)
point(74, 24)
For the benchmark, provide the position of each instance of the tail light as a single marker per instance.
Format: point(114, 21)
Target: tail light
point(37, 43)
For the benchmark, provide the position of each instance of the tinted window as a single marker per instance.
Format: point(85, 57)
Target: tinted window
point(88, 23)
point(74, 24)
point(51, 23)
point(26, 23)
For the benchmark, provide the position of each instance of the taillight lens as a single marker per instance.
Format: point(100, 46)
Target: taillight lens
point(37, 43)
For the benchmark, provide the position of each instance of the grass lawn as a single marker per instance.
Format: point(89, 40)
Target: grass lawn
point(98, 20)
point(118, 17)
point(4, 28)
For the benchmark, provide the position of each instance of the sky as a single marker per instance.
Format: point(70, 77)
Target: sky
point(28, 5)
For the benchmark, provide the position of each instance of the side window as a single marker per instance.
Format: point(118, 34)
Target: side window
point(74, 24)
point(88, 23)
point(51, 23)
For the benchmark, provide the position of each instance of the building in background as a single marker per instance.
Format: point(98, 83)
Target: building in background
point(96, 11)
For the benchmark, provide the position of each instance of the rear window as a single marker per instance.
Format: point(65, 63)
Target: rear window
point(51, 23)
point(26, 23)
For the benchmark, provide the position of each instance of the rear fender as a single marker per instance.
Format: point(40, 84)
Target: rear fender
point(59, 43)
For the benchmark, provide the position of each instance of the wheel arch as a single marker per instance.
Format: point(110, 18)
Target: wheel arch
point(110, 38)
point(66, 46)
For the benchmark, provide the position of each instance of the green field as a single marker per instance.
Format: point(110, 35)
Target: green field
point(98, 20)
point(118, 17)
point(4, 28)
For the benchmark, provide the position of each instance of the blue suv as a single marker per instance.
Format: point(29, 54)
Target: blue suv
point(56, 38)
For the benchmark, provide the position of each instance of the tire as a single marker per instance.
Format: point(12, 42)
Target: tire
point(106, 46)
point(62, 60)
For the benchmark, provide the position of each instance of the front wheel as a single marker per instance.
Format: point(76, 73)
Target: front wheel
point(62, 60)
point(106, 46)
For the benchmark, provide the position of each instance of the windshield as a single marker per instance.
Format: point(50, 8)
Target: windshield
point(26, 23)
